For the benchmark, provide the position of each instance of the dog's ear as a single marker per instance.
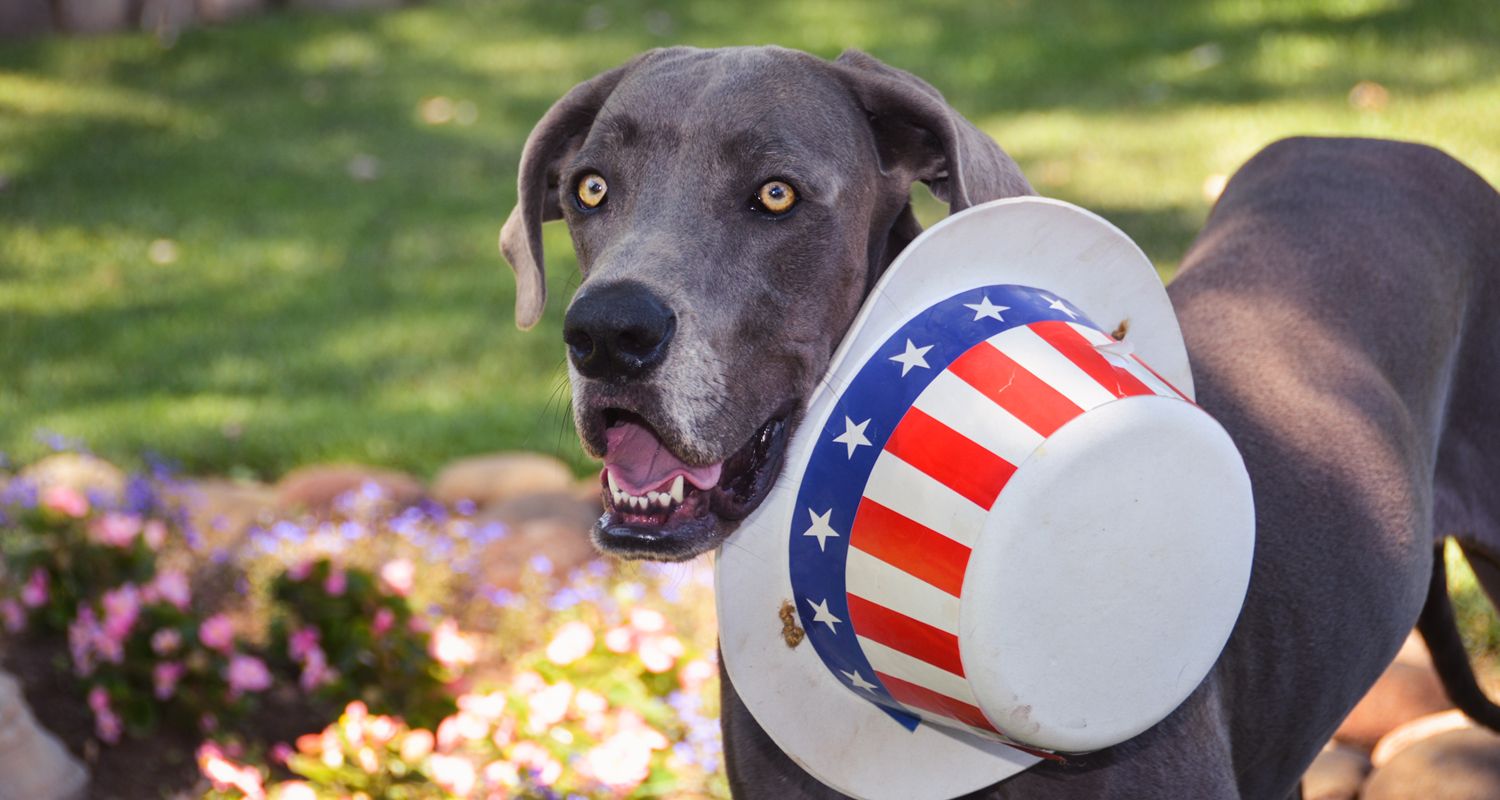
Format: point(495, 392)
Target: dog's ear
point(919, 136)
point(555, 138)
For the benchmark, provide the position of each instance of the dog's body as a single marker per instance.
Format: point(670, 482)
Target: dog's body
point(1342, 313)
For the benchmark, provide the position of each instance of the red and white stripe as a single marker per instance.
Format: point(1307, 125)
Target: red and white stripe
point(930, 491)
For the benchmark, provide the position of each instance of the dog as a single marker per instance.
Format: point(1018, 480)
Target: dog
point(732, 208)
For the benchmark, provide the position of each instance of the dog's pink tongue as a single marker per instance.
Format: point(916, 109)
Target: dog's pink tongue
point(641, 463)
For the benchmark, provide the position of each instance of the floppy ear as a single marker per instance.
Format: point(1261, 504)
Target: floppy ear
point(556, 137)
point(920, 137)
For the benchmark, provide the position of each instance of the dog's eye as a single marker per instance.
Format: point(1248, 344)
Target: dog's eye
point(591, 190)
point(777, 197)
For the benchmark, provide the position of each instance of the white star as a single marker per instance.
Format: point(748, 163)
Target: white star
point(820, 527)
point(823, 615)
point(913, 357)
point(853, 435)
point(1057, 305)
point(858, 681)
point(984, 308)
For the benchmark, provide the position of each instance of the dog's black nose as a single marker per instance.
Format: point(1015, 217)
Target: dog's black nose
point(618, 331)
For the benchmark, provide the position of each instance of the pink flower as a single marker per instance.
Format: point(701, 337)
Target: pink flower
point(454, 773)
point(106, 723)
point(382, 729)
point(35, 592)
point(619, 640)
point(217, 633)
point(572, 642)
point(695, 674)
point(155, 534)
point(315, 671)
point(490, 707)
point(171, 585)
point(416, 746)
point(165, 677)
point(14, 614)
point(544, 769)
point(501, 774)
point(659, 653)
point(352, 722)
point(336, 582)
point(280, 752)
point(461, 728)
point(246, 673)
point(302, 642)
point(65, 500)
point(549, 706)
point(647, 620)
point(451, 648)
point(295, 790)
point(115, 529)
point(166, 641)
point(122, 607)
point(225, 774)
point(384, 620)
point(84, 636)
point(367, 760)
point(299, 571)
point(397, 576)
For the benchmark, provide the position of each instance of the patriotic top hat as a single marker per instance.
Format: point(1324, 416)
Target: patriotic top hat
point(1005, 530)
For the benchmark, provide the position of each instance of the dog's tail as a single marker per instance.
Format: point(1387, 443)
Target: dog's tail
point(1439, 629)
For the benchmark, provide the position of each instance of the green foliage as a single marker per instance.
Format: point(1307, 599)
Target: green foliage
point(291, 313)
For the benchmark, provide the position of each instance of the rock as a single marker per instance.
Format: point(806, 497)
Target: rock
point(94, 16)
point(221, 510)
point(20, 18)
point(33, 764)
point(554, 525)
point(215, 11)
point(1335, 774)
point(1458, 765)
point(316, 488)
point(86, 473)
point(1402, 694)
point(490, 479)
point(1419, 729)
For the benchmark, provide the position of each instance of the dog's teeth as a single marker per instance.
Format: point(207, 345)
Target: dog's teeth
point(663, 499)
point(639, 503)
point(652, 497)
point(677, 489)
point(614, 488)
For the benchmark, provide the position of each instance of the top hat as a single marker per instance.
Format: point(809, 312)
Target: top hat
point(1007, 531)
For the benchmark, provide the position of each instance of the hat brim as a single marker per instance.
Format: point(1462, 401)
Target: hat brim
point(841, 739)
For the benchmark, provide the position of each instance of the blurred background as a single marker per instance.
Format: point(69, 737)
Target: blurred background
point(263, 243)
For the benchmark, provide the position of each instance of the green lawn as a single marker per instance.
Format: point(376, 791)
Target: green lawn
point(304, 315)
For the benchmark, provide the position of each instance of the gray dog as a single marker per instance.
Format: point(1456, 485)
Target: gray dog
point(730, 210)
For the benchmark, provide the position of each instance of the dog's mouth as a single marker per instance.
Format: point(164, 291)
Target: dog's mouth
point(656, 506)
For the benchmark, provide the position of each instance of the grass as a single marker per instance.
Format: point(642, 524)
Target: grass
point(293, 314)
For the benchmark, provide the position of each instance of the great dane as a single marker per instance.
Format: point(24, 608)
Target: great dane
point(731, 208)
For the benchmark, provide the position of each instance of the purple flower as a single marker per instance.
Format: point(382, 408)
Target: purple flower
point(35, 592)
point(302, 642)
point(122, 607)
point(540, 564)
point(172, 586)
point(14, 615)
point(106, 723)
point(336, 582)
point(246, 673)
point(166, 641)
point(115, 529)
point(165, 677)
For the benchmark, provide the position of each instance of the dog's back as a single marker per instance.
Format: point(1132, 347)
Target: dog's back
point(1342, 315)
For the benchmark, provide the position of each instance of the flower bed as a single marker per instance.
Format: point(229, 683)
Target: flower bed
point(590, 684)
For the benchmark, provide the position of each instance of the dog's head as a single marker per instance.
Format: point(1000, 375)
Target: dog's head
point(730, 210)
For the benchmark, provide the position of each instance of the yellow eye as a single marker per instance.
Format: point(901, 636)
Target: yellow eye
point(591, 190)
point(777, 197)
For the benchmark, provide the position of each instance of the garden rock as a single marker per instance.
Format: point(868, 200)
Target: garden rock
point(94, 16)
point(1335, 774)
point(1459, 765)
point(490, 479)
point(20, 18)
point(1418, 730)
point(553, 525)
point(222, 510)
point(225, 10)
point(33, 764)
point(1406, 691)
point(316, 488)
point(80, 471)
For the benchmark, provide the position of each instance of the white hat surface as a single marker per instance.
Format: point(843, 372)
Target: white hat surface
point(1005, 533)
